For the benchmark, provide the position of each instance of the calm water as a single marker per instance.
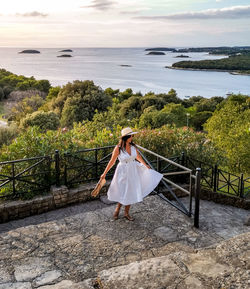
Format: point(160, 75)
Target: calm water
point(103, 66)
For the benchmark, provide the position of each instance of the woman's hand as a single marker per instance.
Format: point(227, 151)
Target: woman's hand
point(103, 176)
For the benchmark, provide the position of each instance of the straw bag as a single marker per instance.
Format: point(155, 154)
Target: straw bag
point(98, 187)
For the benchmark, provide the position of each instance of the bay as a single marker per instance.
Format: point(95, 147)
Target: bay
point(144, 72)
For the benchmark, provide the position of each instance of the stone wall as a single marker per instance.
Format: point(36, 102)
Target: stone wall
point(58, 197)
point(61, 197)
point(224, 199)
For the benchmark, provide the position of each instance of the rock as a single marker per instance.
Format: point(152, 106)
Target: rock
point(155, 53)
point(247, 221)
point(65, 284)
point(31, 268)
point(65, 55)
point(4, 276)
point(153, 273)
point(30, 51)
point(47, 278)
point(165, 233)
point(206, 265)
point(182, 56)
point(66, 50)
point(18, 285)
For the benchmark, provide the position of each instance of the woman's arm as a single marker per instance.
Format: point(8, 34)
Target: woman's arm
point(111, 162)
point(140, 159)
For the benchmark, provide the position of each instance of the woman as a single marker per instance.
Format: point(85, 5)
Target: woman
point(133, 178)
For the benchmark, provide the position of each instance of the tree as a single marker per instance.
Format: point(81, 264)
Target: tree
point(1, 93)
point(131, 107)
point(170, 97)
point(208, 104)
point(199, 118)
point(229, 130)
point(177, 113)
point(44, 120)
point(26, 106)
point(78, 101)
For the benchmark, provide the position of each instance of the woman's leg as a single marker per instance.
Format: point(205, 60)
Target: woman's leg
point(117, 211)
point(126, 213)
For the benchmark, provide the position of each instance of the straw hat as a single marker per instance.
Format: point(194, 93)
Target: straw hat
point(98, 187)
point(127, 131)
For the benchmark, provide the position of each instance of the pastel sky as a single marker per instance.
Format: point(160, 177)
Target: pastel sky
point(124, 23)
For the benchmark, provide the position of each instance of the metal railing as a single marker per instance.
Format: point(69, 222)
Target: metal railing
point(171, 169)
point(220, 180)
point(85, 165)
point(25, 177)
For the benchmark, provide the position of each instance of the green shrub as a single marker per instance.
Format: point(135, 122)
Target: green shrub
point(44, 120)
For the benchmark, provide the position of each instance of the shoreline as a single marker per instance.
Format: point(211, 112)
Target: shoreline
point(233, 72)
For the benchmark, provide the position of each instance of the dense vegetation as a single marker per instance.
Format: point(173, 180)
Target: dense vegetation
point(223, 50)
point(82, 115)
point(232, 63)
point(10, 82)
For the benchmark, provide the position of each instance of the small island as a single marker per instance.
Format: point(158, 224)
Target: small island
point(182, 56)
point(65, 55)
point(66, 50)
point(32, 51)
point(155, 53)
point(125, 65)
point(161, 49)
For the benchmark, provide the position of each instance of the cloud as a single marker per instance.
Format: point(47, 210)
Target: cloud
point(130, 12)
point(100, 5)
point(233, 12)
point(32, 14)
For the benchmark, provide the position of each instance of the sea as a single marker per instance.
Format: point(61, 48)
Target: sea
point(122, 68)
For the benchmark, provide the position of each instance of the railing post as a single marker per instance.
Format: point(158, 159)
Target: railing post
point(65, 169)
point(182, 158)
point(215, 178)
point(13, 178)
point(241, 186)
point(57, 167)
point(48, 170)
point(197, 197)
point(96, 168)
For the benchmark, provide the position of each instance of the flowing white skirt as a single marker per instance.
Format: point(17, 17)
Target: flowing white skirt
point(132, 182)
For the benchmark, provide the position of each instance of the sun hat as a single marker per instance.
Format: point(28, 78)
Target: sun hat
point(127, 131)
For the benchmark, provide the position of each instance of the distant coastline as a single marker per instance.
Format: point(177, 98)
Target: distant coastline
point(233, 72)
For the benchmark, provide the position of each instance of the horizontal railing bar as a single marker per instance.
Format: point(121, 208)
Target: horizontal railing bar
point(93, 149)
point(176, 173)
point(177, 186)
point(23, 160)
point(163, 158)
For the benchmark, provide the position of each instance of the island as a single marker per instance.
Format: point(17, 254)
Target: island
point(161, 49)
point(155, 53)
point(125, 65)
point(235, 64)
point(182, 56)
point(65, 55)
point(223, 50)
point(30, 51)
point(66, 50)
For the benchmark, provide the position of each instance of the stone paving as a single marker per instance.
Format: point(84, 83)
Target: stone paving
point(82, 247)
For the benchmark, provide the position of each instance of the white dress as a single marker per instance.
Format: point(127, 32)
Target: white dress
point(132, 181)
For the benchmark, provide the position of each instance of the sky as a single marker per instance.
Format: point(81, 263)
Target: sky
point(124, 23)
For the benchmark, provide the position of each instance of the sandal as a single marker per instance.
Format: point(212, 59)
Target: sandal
point(128, 217)
point(116, 215)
